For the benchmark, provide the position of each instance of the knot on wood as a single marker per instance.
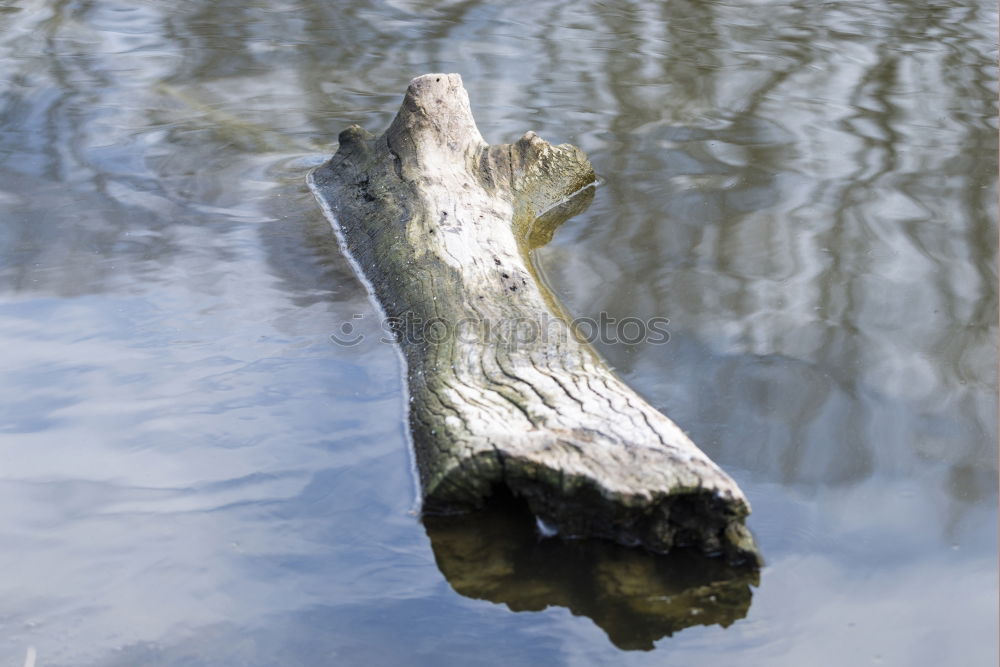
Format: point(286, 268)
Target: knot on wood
point(352, 136)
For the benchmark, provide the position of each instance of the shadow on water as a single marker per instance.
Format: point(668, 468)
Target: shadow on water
point(635, 596)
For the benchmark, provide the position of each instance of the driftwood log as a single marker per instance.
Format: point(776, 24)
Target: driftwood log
point(502, 390)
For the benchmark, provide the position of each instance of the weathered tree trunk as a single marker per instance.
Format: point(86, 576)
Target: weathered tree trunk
point(501, 390)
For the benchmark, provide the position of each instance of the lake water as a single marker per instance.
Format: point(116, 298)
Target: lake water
point(192, 473)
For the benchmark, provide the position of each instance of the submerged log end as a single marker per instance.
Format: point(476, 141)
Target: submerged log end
point(654, 497)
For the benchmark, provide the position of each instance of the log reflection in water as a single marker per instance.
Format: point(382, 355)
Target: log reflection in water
point(635, 596)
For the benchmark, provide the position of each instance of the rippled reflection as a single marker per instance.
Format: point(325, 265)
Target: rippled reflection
point(191, 473)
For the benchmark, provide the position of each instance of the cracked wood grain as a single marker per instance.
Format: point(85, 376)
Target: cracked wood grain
point(440, 224)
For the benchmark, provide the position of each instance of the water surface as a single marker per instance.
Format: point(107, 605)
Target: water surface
point(192, 473)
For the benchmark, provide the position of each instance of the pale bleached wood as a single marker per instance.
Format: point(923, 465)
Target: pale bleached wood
point(440, 224)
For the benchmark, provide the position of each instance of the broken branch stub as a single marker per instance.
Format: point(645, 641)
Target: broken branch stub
point(501, 390)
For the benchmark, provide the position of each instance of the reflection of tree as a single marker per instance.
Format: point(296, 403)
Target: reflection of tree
point(813, 185)
point(78, 192)
point(634, 596)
